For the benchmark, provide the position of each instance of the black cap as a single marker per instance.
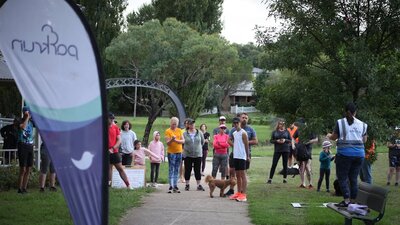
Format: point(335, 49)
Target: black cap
point(190, 121)
point(236, 120)
point(111, 115)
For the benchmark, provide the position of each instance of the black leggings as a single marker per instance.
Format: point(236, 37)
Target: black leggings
point(327, 173)
point(275, 160)
point(192, 162)
point(155, 167)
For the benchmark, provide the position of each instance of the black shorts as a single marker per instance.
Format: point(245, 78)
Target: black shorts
point(394, 158)
point(232, 165)
point(126, 159)
point(115, 158)
point(25, 154)
point(45, 163)
point(240, 164)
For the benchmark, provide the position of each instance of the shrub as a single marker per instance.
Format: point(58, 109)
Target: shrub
point(9, 177)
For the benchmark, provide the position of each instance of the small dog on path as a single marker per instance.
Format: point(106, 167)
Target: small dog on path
point(222, 184)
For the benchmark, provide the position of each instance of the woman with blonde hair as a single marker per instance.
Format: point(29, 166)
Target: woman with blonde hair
point(174, 140)
point(281, 139)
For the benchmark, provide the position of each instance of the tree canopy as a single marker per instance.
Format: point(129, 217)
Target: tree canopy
point(336, 51)
point(202, 15)
point(176, 55)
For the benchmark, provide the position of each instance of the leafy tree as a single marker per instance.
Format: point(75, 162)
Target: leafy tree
point(338, 51)
point(145, 13)
point(202, 15)
point(176, 55)
point(106, 20)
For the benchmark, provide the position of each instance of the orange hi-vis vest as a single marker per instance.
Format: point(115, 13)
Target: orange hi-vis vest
point(292, 131)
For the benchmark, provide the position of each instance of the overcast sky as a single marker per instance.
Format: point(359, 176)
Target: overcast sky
point(239, 17)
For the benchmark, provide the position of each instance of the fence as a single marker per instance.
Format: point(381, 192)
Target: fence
point(239, 109)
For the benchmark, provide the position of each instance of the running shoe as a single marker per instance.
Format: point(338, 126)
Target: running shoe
point(342, 204)
point(176, 190)
point(187, 187)
point(234, 196)
point(200, 188)
point(242, 198)
point(170, 190)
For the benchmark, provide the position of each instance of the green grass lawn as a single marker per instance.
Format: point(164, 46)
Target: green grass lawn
point(50, 208)
point(268, 204)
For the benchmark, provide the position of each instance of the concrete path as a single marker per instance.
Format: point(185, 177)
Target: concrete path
point(188, 207)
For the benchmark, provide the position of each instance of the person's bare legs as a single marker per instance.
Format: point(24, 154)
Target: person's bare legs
point(52, 179)
point(302, 167)
point(110, 168)
point(26, 177)
point(42, 180)
point(122, 174)
point(390, 174)
point(241, 175)
point(22, 171)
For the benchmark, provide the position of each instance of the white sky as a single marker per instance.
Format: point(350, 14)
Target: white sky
point(239, 17)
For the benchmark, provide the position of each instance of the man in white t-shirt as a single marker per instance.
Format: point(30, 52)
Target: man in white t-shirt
point(241, 156)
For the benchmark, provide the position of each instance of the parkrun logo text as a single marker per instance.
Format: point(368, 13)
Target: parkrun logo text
point(49, 46)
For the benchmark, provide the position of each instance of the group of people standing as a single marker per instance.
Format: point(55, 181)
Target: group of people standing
point(125, 149)
point(350, 134)
point(190, 147)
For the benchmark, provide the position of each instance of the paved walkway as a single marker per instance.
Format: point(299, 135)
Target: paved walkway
point(188, 207)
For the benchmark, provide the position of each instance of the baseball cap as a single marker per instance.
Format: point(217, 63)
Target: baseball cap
point(236, 120)
point(111, 115)
point(326, 144)
point(190, 121)
point(222, 118)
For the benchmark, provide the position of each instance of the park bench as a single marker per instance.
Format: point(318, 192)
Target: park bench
point(371, 195)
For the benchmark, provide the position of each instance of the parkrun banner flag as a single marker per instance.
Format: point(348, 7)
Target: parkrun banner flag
point(55, 64)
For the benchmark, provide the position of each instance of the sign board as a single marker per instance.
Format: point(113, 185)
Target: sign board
point(136, 177)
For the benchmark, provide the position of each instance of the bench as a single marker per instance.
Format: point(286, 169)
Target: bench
point(371, 195)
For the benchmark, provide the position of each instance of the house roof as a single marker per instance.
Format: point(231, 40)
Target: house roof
point(244, 89)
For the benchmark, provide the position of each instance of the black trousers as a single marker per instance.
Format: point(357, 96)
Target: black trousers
point(275, 160)
point(154, 169)
point(194, 163)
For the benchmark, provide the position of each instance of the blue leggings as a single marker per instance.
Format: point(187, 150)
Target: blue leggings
point(174, 163)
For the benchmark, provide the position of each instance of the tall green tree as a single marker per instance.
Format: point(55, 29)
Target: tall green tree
point(350, 47)
point(202, 15)
point(106, 20)
point(176, 55)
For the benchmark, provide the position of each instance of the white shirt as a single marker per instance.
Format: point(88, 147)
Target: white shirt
point(239, 151)
point(127, 139)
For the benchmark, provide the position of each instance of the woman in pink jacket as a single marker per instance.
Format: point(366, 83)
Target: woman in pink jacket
point(221, 146)
point(157, 148)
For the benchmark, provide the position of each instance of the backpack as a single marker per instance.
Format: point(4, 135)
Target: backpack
point(302, 153)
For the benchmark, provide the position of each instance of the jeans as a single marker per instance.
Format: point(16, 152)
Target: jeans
point(174, 162)
point(347, 171)
point(365, 173)
point(275, 160)
point(154, 169)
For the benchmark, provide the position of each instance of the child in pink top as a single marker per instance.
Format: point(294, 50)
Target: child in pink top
point(157, 148)
point(139, 154)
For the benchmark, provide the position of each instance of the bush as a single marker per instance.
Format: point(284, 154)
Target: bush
point(9, 177)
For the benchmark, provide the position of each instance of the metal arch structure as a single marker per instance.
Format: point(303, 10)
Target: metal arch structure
point(135, 82)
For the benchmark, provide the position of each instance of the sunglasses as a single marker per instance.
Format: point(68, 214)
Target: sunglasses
point(223, 128)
